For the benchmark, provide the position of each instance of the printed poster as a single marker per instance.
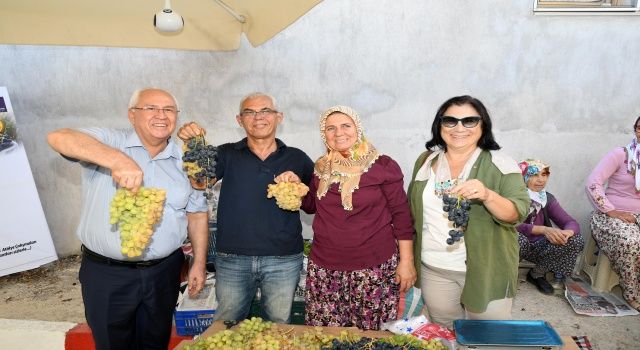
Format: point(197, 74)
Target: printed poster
point(25, 240)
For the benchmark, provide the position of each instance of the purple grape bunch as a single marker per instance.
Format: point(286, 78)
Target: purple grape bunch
point(458, 209)
point(366, 343)
point(205, 156)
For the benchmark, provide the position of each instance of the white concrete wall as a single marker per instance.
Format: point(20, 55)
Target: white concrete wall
point(561, 88)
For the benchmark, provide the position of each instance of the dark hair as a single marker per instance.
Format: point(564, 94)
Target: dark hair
point(486, 142)
point(636, 124)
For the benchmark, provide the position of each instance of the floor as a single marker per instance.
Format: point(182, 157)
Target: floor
point(604, 333)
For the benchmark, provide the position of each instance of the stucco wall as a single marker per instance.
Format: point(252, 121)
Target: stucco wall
point(560, 88)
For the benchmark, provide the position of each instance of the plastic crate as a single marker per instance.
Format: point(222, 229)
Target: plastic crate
point(194, 315)
point(193, 322)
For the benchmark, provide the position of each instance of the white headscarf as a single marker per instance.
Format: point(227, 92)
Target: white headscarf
point(633, 160)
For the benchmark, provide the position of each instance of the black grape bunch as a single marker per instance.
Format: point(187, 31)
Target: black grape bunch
point(458, 209)
point(395, 342)
point(199, 161)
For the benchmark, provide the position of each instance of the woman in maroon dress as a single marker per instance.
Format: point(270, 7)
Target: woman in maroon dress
point(362, 252)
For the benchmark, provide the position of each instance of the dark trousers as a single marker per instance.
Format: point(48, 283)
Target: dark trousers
point(130, 308)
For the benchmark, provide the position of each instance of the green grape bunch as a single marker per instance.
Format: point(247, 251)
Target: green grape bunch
point(288, 194)
point(135, 214)
point(253, 333)
point(199, 161)
point(408, 341)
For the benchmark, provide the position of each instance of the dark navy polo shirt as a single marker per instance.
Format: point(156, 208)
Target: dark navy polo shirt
point(249, 223)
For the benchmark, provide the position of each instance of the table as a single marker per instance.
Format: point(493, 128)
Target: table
point(217, 326)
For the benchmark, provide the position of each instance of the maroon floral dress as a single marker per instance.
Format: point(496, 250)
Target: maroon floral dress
point(362, 298)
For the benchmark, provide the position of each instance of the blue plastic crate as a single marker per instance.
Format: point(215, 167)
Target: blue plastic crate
point(193, 322)
point(194, 315)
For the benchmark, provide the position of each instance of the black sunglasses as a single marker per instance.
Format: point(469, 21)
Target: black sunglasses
point(467, 122)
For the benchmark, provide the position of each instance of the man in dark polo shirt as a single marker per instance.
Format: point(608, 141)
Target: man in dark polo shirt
point(258, 245)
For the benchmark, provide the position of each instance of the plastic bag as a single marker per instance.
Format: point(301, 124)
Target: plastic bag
point(410, 304)
point(420, 327)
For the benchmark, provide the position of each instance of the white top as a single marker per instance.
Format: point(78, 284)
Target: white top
point(501, 160)
point(435, 231)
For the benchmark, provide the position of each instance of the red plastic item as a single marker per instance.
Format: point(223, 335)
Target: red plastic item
point(80, 338)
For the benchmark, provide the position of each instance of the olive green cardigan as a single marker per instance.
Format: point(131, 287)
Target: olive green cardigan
point(492, 245)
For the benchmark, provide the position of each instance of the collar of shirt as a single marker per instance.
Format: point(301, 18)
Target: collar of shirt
point(172, 150)
point(243, 144)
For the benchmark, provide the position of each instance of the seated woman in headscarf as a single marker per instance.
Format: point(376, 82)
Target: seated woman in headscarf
point(362, 252)
point(550, 248)
point(614, 190)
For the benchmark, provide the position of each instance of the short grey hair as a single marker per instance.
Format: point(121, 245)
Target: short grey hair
point(135, 97)
point(257, 95)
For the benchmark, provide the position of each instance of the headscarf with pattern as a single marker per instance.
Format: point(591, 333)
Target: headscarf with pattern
point(333, 167)
point(633, 161)
point(530, 167)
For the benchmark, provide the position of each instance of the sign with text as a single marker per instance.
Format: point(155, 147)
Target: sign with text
point(25, 240)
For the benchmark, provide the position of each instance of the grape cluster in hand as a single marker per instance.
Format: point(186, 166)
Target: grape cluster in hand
point(288, 194)
point(458, 209)
point(199, 161)
point(136, 214)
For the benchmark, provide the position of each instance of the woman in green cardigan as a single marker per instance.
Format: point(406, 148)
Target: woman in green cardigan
point(474, 276)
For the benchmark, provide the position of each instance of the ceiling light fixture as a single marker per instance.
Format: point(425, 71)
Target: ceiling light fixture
point(167, 21)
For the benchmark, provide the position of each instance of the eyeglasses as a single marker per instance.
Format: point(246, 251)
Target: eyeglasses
point(467, 122)
point(263, 112)
point(153, 109)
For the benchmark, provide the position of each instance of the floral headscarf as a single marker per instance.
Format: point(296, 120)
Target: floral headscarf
point(531, 167)
point(333, 167)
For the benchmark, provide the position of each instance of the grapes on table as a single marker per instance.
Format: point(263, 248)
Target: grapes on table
point(136, 214)
point(458, 213)
point(199, 161)
point(288, 194)
point(255, 333)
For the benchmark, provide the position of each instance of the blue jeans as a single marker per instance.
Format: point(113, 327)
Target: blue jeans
point(239, 276)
